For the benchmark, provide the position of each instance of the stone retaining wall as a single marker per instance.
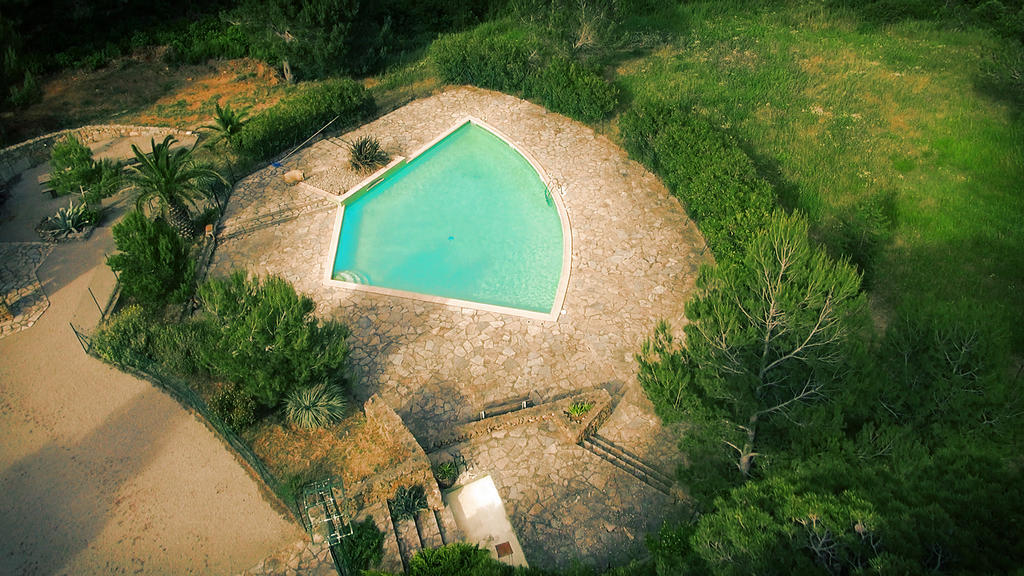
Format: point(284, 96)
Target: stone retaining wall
point(574, 431)
point(20, 157)
point(415, 470)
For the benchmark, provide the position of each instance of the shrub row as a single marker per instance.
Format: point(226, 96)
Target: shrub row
point(258, 336)
point(705, 168)
point(514, 60)
point(300, 114)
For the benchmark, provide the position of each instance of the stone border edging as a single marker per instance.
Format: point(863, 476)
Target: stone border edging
point(19, 157)
point(574, 432)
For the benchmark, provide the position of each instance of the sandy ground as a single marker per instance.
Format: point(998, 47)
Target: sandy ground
point(102, 473)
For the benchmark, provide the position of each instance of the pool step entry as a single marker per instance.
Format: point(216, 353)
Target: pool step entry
point(628, 462)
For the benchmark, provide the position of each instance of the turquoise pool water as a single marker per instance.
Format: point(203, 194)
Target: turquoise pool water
point(468, 219)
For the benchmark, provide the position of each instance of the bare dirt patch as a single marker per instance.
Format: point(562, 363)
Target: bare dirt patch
point(349, 449)
point(142, 89)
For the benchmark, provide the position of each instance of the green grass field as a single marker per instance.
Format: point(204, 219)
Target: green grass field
point(903, 141)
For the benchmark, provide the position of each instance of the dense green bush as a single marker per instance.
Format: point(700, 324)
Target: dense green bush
point(458, 559)
point(124, 338)
point(73, 170)
point(299, 115)
point(495, 55)
point(207, 39)
point(573, 89)
point(705, 168)
point(363, 549)
point(27, 92)
point(263, 336)
point(513, 59)
point(153, 262)
point(234, 406)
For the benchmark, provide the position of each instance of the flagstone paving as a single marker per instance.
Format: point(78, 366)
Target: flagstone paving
point(19, 286)
point(635, 257)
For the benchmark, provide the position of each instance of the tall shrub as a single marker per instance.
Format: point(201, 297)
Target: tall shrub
point(705, 168)
point(300, 115)
point(153, 262)
point(73, 170)
point(264, 337)
point(578, 91)
point(515, 60)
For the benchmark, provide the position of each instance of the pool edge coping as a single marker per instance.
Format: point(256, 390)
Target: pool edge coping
point(367, 183)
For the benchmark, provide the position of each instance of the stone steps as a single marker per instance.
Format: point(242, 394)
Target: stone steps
point(408, 540)
point(429, 530)
point(627, 462)
point(446, 523)
point(391, 562)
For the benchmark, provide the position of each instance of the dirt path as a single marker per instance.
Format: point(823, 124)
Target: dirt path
point(101, 472)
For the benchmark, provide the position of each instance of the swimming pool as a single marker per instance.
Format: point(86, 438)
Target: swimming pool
point(469, 221)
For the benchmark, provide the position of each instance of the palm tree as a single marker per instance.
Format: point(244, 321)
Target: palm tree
point(172, 180)
point(227, 123)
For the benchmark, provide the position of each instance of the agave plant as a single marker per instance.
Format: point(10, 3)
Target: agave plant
point(70, 220)
point(172, 180)
point(315, 407)
point(407, 502)
point(446, 473)
point(578, 409)
point(367, 154)
point(227, 123)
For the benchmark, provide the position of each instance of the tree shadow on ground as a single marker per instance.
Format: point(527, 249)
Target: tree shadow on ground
point(59, 499)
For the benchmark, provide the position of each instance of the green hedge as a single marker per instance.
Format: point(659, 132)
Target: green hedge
point(154, 263)
point(705, 168)
point(300, 114)
point(515, 60)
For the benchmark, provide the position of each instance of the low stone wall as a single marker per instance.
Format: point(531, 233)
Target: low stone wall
point(16, 159)
point(415, 470)
point(575, 431)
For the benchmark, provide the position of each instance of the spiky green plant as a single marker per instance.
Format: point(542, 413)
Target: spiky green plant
point(318, 406)
point(407, 502)
point(227, 123)
point(367, 154)
point(70, 220)
point(578, 409)
point(446, 473)
point(172, 180)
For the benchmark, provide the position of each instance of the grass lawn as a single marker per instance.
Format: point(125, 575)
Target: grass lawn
point(910, 128)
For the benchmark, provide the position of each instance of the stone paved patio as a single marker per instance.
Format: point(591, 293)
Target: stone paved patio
point(635, 260)
point(26, 301)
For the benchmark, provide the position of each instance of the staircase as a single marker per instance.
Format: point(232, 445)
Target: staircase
point(628, 462)
point(403, 539)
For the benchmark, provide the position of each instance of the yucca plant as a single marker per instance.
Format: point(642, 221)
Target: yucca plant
point(172, 180)
point(407, 502)
point(367, 154)
point(227, 123)
point(318, 406)
point(71, 220)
